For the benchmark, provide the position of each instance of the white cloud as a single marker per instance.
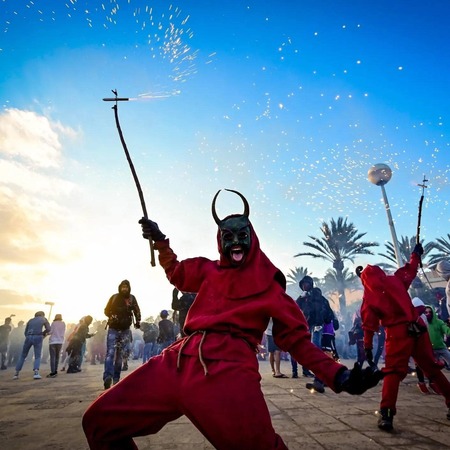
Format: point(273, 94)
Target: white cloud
point(31, 138)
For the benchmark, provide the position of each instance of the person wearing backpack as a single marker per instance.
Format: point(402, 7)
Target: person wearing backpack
point(122, 310)
point(150, 334)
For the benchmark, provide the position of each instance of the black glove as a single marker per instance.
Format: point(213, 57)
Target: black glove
point(151, 231)
point(357, 381)
point(418, 249)
point(137, 325)
point(369, 356)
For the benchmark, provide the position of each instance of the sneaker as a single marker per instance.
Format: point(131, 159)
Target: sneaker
point(308, 374)
point(423, 388)
point(16, 376)
point(107, 382)
point(36, 375)
point(315, 386)
point(386, 420)
point(435, 389)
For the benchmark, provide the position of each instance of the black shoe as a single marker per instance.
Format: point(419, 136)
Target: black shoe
point(125, 367)
point(386, 420)
point(107, 382)
point(308, 374)
point(316, 386)
point(3, 368)
point(52, 375)
point(294, 375)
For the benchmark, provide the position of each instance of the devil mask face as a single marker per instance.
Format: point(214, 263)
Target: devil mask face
point(235, 239)
point(234, 233)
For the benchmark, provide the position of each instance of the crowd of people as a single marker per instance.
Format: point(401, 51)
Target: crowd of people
point(66, 347)
point(226, 309)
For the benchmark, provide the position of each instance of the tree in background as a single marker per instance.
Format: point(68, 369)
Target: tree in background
point(405, 246)
point(296, 274)
point(442, 248)
point(340, 243)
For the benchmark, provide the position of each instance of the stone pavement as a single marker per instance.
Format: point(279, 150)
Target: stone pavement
point(46, 414)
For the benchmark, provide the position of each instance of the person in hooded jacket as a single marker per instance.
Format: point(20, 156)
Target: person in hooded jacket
point(386, 301)
point(438, 330)
point(317, 312)
point(122, 309)
point(212, 375)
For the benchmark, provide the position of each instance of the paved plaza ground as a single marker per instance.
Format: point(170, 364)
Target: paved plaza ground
point(46, 414)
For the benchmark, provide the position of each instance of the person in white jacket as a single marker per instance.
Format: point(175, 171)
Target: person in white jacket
point(55, 343)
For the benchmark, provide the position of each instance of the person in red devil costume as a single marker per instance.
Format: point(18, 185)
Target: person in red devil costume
point(386, 301)
point(211, 375)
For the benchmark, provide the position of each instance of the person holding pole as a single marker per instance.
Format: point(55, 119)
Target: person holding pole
point(212, 375)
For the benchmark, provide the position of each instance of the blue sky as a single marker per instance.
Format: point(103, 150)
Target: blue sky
point(288, 102)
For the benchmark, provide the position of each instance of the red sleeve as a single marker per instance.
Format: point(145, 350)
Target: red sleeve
point(291, 333)
point(408, 272)
point(186, 275)
point(370, 322)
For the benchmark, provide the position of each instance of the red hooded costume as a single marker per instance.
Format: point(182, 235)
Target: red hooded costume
point(386, 301)
point(205, 375)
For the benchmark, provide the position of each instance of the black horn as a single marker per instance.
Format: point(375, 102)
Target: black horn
point(213, 209)
point(213, 206)
point(246, 206)
point(359, 270)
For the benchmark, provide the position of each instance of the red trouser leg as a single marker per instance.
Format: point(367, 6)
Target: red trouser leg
point(141, 404)
point(424, 357)
point(399, 347)
point(227, 405)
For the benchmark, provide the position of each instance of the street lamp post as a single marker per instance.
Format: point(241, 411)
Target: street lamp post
point(51, 306)
point(380, 174)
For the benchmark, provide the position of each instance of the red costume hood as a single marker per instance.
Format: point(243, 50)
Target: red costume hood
point(373, 278)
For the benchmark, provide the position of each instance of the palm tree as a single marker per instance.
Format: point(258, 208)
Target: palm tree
point(330, 282)
point(293, 279)
point(442, 246)
point(296, 274)
point(340, 242)
point(405, 247)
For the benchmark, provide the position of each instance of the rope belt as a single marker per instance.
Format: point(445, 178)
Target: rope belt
point(200, 355)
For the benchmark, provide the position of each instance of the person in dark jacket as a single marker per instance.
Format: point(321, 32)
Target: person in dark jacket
point(317, 312)
point(166, 331)
point(5, 331)
point(122, 309)
point(75, 347)
point(182, 305)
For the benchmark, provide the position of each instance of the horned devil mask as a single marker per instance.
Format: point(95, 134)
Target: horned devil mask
point(234, 232)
